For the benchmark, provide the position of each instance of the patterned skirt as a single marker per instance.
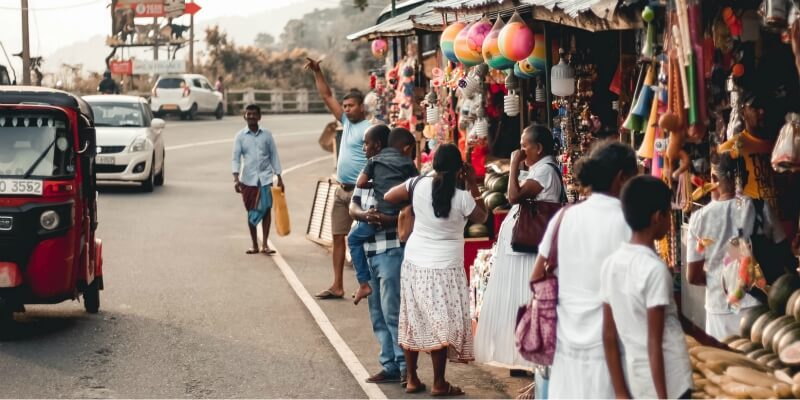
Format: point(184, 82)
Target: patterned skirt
point(434, 310)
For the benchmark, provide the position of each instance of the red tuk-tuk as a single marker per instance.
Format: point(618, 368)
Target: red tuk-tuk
point(48, 203)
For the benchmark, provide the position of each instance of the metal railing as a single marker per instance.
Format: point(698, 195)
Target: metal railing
point(299, 101)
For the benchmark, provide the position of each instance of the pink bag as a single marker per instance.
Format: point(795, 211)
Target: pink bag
point(536, 322)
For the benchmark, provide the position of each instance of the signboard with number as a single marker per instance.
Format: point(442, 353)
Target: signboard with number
point(152, 67)
point(121, 67)
point(143, 8)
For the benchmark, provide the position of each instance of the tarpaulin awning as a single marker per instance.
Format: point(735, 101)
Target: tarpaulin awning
point(406, 24)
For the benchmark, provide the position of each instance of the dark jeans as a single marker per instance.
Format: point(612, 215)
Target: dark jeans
point(355, 241)
point(384, 307)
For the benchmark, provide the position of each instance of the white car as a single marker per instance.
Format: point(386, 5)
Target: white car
point(130, 142)
point(186, 95)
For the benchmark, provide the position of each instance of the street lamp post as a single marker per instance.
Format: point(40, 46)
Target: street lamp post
point(26, 51)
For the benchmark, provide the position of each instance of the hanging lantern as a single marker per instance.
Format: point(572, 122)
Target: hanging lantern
point(516, 39)
point(538, 54)
point(491, 48)
point(461, 48)
point(447, 42)
point(379, 48)
point(562, 78)
point(477, 34)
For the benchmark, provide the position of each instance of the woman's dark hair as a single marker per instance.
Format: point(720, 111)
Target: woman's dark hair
point(604, 162)
point(727, 168)
point(447, 163)
point(643, 196)
point(539, 134)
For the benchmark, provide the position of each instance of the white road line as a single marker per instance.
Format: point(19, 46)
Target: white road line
point(349, 358)
point(229, 140)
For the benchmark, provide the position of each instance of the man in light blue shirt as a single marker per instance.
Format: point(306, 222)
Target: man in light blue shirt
point(350, 163)
point(255, 164)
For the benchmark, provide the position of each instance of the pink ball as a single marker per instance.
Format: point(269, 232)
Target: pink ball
point(516, 41)
point(477, 34)
point(379, 48)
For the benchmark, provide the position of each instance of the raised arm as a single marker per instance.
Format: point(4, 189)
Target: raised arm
point(517, 191)
point(324, 90)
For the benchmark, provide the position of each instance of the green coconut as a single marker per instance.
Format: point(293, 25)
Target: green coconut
point(749, 317)
point(477, 230)
point(781, 290)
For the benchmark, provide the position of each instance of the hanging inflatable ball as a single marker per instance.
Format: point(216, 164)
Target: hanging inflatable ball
point(464, 54)
point(516, 39)
point(447, 42)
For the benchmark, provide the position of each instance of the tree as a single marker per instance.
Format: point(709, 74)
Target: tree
point(361, 4)
point(264, 40)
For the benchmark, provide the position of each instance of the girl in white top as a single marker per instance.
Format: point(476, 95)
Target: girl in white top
point(508, 286)
point(639, 308)
point(710, 230)
point(590, 231)
point(434, 298)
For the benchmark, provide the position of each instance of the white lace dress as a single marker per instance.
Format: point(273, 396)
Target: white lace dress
point(434, 297)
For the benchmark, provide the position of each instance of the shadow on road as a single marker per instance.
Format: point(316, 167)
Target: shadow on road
point(26, 327)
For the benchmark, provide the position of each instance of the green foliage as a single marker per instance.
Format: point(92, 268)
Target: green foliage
point(360, 4)
point(264, 40)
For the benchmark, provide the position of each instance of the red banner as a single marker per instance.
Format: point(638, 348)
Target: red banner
point(124, 67)
point(143, 8)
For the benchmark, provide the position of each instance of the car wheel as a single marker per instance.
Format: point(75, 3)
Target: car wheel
point(220, 111)
point(91, 297)
point(149, 183)
point(159, 180)
point(192, 113)
point(183, 116)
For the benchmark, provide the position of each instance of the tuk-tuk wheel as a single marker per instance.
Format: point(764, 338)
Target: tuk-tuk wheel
point(6, 315)
point(91, 297)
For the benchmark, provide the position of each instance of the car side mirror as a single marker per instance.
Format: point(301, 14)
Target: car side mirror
point(158, 123)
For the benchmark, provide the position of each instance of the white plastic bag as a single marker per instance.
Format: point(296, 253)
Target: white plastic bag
point(786, 154)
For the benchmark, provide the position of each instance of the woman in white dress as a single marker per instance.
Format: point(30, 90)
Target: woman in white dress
point(590, 232)
point(508, 286)
point(434, 298)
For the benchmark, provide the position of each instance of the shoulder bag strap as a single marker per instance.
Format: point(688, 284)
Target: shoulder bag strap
point(411, 192)
point(552, 257)
point(563, 197)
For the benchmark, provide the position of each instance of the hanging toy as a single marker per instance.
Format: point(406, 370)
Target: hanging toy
point(538, 54)
point(516, 39)
point(379, 48)
point(491, 49)
point(447, 41)
point(648, 50)
point(477, 35)
point(432, 111)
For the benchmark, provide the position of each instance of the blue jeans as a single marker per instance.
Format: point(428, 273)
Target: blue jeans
point(355, 241)
point(384, 307)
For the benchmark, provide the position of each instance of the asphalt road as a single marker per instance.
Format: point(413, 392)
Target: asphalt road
point(186, 313)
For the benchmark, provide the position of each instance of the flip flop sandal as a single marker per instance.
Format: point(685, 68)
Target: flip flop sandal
point(268, 252)
point(418, 389)
point(251, 251)
point(327, 295)
point(451, 391)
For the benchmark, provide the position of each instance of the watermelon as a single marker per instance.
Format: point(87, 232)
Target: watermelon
point(495, 200)
point(738, 343)
point(791, 304)
point(748, 347)
point(488, 178)
point(728, 340)
point(484, 194)
point(749, 317)
point(776, 338)
point(796, 309)
point(781, 290)
point(477, 230)
point(789, 348)
point(771, 328)
point(758, 326)
point(499, 184)
point(754, 355)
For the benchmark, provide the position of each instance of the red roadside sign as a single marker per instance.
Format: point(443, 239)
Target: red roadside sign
point(191, 8)
point(143, 8)
point(121, 67)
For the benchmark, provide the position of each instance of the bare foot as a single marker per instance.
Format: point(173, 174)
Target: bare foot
point(363, 292)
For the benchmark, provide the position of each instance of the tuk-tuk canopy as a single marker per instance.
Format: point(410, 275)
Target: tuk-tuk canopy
point(39, 95)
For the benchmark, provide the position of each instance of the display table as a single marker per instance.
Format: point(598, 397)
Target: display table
point(471, 247)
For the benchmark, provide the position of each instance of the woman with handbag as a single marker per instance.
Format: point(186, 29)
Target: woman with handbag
point(587, 233)
point(434, 297)
point(534, 178)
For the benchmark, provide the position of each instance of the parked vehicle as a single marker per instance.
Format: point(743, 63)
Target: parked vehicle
point(186, 95)
point(130, 142)
point(48, 204)
point(5, 79)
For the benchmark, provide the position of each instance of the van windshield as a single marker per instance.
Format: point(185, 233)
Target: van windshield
point(35, 145)
point(170, 83)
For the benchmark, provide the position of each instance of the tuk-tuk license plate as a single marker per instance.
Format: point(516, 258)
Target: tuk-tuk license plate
point(104, 160)
point(21, 186)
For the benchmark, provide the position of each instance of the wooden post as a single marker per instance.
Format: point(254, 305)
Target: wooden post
point(191, 43)
point(26, 48)
point(548, 63)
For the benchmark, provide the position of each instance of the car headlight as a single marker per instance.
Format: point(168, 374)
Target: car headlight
point(49, 220)
point(138, 144)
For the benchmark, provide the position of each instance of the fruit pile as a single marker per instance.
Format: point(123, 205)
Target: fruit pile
point(765, 357)
point(493, 193)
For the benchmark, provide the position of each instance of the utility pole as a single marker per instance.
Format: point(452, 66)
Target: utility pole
point(395, 56)
point(26, 50)
point(191, 43)
point(157, 38)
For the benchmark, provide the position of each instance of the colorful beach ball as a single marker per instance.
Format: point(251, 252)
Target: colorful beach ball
point(447, 42)
point(379, 48)
point(537, 58)
point(527, 68)
point(516, 39)
point(491, 49)
point(465, 55)
point(477, 34)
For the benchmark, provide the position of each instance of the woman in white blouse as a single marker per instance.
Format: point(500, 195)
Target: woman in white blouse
point(590, 232)
point(533, 174)
point(434, 298)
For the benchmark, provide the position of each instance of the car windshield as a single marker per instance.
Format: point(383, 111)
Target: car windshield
point(170, 83)
point(117, 114)
point(35, 145)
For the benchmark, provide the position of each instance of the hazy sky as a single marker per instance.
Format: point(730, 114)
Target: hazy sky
point(57, 23)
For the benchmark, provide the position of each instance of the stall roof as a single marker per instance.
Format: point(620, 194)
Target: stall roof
point(400, 8)
point(421, 17)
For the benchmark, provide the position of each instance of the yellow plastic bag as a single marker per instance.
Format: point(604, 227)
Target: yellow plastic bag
point(281, 212)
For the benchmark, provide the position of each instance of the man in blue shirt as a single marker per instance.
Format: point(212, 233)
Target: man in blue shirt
point(255, 163)
point(350, 163)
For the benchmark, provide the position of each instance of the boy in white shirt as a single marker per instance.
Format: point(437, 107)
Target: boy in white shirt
point(639, 309)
